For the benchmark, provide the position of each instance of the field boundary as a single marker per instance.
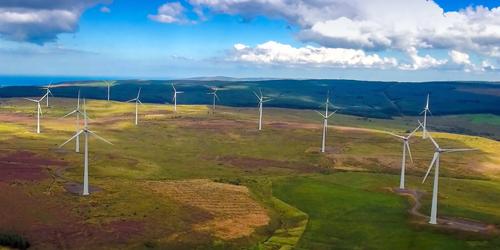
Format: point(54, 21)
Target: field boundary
point(293, 225)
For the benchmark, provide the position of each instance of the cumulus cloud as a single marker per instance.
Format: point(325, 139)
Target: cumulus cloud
point(377, 24)
point(282, 54)
point(170, 13)
point(41, 21)
point(422, 62)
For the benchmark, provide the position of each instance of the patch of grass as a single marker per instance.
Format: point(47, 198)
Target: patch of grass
point(352, 211)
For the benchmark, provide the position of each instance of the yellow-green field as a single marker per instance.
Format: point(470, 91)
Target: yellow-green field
point(194, 180)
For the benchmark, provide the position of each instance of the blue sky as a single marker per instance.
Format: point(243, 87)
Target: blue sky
point(402, 40)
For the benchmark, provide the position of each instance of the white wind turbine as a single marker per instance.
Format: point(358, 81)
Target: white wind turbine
point(325, 116)
point(48, 92)
point(39, 111)
point(425, 111)
point(86, 132)
point(137, 102)
point(435, 163)
point(406, 146)
point(262, 100)
point(78, 112)
point(215, 96)
point(109, 88)
point(174, 99)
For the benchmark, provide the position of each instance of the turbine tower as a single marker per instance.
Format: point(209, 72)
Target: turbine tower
point(262, 100)
point(39, 110)
point(48, 92)
point(78, 112)
point(86, 133)
point(215, 96)
point(435, 163)
point(109, 88)
point(425, 111)
point(325, 116)
point(137, 102)
point(406, 146)
point(174, 99)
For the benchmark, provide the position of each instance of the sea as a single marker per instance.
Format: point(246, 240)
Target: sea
point(43, 80)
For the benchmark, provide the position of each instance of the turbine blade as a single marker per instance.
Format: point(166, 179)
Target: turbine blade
point(30, 99)
point(131, 100)
point(396, 135)
point(180, 92)
point(70, 113)
point(433, 141)
point(100, 138)
point(139, 101)
point(268, 100)
point(258, 97)
point(320, 114)
point(174, 88)
point(70, 139)
point(430, 166)
point(409, 150)
point(458, 150)
point(139, 93)
point(413, 132)
point(330, 115)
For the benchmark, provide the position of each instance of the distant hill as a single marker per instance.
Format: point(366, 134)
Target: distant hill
point(364, 98)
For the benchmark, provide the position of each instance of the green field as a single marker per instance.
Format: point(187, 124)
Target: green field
point(337, 200)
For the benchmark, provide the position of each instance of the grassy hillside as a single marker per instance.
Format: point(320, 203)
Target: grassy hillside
point(193, 179)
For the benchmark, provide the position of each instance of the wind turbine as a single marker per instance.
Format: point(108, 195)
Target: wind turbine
point(109, 88)
point(137, 102)
point(425, 111)
point(325, 116)
point(262, 100)
point(86, 132)
point(174, 99)
point(216, 97)
point(39, 111)
point(406, 146)
point(47, 92)
point(435, 163)
point(78, 112)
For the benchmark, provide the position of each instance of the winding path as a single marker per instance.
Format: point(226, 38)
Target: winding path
point(445, 222)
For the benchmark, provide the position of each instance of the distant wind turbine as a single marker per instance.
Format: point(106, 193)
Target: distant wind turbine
point(137, 102)
point(78, 112)
point(48, 92)
point(435, 163)
point(86, 132)
point(174, 99)
point(262, 100)
point(406, 146)
point(215, 96)
point(325, 116)
point(109, 88)
point(425, 111)
point(39, 111)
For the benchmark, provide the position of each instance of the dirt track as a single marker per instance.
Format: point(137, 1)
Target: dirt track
point(444, 222)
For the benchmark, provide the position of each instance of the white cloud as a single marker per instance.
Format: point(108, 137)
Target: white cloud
point(422, 62)
point(377, 24)
point(41, 21)
point(282, 54)
point(105, 9)
point(459, 57)
point(170, 13)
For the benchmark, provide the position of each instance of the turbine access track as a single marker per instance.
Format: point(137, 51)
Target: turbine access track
point(445, 222)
